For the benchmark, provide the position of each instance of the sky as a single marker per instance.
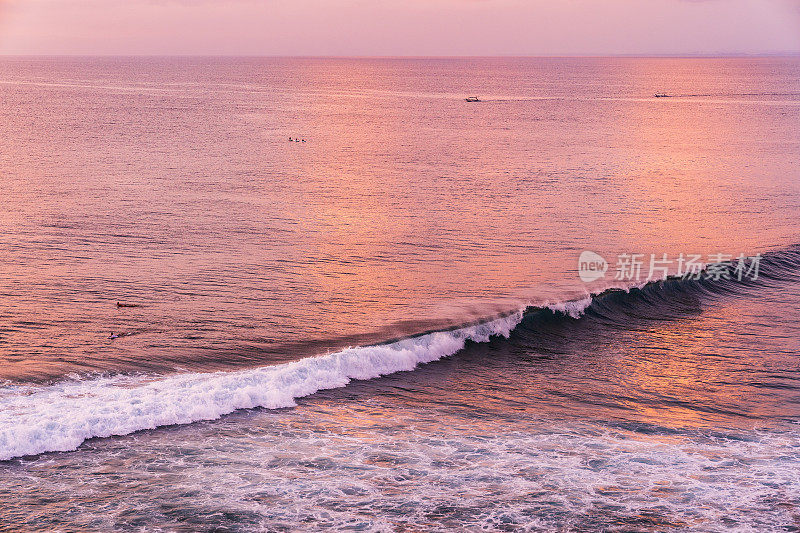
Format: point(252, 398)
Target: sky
point(399, 27)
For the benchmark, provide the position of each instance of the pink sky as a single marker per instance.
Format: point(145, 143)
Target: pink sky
point(399, 27)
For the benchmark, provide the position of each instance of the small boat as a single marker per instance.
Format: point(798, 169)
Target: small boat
point(661, 95)
point(472, 99)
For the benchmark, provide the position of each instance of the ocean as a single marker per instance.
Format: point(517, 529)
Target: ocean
point(286, 294)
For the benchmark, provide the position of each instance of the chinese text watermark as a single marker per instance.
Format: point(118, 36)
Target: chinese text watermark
point(651, 267)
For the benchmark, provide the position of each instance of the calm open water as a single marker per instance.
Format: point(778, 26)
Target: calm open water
point(267, 285)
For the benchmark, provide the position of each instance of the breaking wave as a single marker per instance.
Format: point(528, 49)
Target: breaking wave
point(59, 417)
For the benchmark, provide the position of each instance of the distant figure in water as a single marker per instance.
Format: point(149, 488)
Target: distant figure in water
point(290, 139)
point(304, 140)
point(113, 335)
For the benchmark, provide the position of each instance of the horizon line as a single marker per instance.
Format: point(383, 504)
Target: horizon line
point(720, 55)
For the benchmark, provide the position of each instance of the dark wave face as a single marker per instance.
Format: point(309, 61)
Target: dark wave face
point(678, 353)
point(678, 297)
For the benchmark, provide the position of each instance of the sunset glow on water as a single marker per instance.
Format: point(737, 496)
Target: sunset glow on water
point(267, 294)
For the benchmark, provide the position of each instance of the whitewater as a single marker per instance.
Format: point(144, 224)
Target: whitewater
point(60, 416)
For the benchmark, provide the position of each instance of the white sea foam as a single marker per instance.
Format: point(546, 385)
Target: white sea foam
point(61, 416)
point(573, 308)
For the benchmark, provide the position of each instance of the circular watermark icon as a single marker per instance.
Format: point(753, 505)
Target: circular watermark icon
point(591, 266)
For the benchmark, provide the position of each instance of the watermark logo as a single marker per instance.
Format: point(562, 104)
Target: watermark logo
point(591, 266)
point(638, 267)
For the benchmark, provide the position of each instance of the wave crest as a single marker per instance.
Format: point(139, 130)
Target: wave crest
point(61, 416)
